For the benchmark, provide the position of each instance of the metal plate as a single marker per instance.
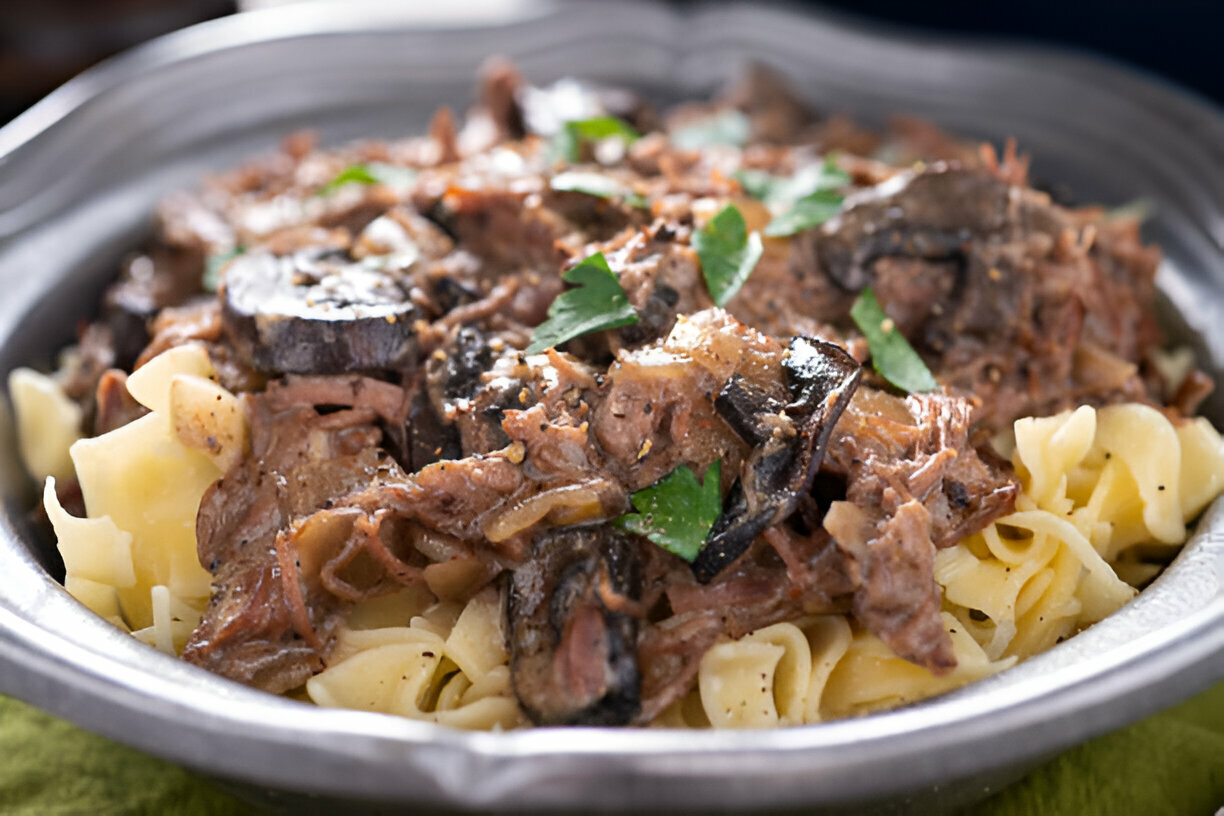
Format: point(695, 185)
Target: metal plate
point(80, 173)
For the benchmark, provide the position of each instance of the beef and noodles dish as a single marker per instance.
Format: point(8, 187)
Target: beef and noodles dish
point(572, 411)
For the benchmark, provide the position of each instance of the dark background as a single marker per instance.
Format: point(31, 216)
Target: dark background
point(1183, 40)
point(44, 42)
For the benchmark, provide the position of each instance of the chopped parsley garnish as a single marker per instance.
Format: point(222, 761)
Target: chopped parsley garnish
point(809, 211)
point(677, 512)
point(728, 127)
point(596, 304)
point(353, 174)
point(804, 200)
point(568, 142)
point(389, 175)
point(1141, 209)
point(759, 183)
point(596, 184)
point(783, 191)
point(728, 253)
point(213, 266)
point(893, 357)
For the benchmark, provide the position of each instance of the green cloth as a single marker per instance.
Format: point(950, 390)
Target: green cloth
point(49, 767)
point(1172, 763)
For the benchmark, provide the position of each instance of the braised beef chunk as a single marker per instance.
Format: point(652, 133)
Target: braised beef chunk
point(507, 228)
point(198, 321)
point(166, 276)
point(821, 378)
point(373, 304)
point(756, 591)
point(661, 278)
point(1030, 307)
point(500, 84)
point(380, 398)
point(914, 483)
point(896, 598)
point(573, 648)
point(95, 355)
point(268, 625)
point(287, 557)
point(115, 406)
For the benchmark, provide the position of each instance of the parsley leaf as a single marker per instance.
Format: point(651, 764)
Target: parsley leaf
point(728, 253)
point(353, 174)
point(567, 144)
point(891, 354)
point(729, 127)
point(784, 191)
point(759, 183)
point(810, 211)
point(806, 199)
point(596, 184)
point(1141, 209)
point(389, 175)
point(598, 303)
point(676, 512)
point(213, 266)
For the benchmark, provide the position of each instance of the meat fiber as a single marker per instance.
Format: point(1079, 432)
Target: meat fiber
point(372, 307)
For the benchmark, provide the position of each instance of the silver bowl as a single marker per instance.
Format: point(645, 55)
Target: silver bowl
point(81, 171)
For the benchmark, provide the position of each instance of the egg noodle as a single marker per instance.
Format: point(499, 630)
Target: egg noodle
point(1103, 491)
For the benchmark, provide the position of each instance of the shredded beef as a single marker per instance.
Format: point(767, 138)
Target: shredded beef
point(913, 483)
point(401, 435)
point(1009, 297)
point(267, 624)
point(115, 406)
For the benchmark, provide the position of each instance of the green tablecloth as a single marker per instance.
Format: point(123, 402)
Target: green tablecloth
point(1172, 763)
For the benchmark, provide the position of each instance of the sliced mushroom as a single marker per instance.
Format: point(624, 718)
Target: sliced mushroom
point(573, 654)
point(316, 313)
point(460, 397)
point(931, 214)
point(429, 438)
point(789, 443)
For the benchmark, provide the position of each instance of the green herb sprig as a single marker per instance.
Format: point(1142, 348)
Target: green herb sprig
point(677, 512)
point(213, 266)
point(802, 201)
point(567, 144)
point(727, 127)
point(783, 191)
point(596, 184)
point(1141, 209)
point(891, 354)
point(809, 211)
point(728, 253)
point(389, 175)
point(597, 303)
